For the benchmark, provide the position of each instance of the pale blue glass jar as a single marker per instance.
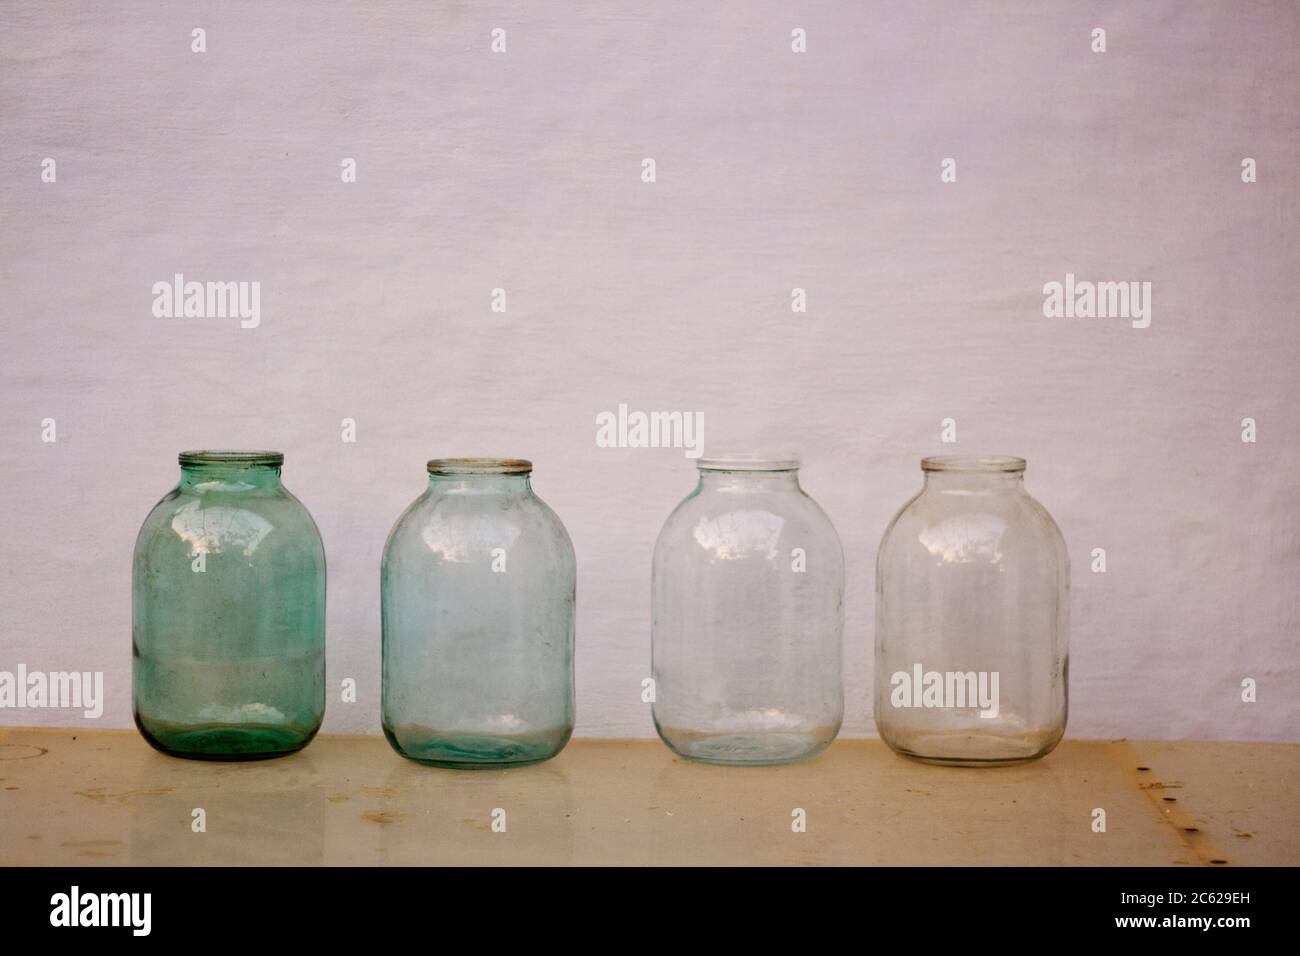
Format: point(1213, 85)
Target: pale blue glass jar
point(748, 614)
point(477, 594)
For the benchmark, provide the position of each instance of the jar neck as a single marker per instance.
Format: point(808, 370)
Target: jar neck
point(480, 485)
point(229, 476)
point(749, 482)
point(975, 482)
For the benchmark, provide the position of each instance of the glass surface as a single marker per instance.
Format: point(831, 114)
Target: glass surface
point(478, 591)
point(748, 592)
point(229, 613)
point(972, 619)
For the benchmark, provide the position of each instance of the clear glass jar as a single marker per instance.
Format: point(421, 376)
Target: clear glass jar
point(478, 584)
point(228, 606)
point(972, 619)
point(748, 597)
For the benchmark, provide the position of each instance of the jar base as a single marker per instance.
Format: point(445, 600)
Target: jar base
point(976, 750)
point(475, 751)
point(225, 741)
point(741, 749)
point(963, 762)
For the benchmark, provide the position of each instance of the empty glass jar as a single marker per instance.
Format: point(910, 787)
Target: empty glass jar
point(972, 619)
point(229, 613)
point(478, 610)
point(748, 590)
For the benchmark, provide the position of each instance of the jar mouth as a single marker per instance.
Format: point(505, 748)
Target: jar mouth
point(748, 463)
point(973, 463)
point(228, 457)
point(480, 466)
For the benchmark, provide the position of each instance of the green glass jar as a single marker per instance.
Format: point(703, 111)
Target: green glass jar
point(228, 613)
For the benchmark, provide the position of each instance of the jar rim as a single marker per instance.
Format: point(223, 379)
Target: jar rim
point(973, 463)
point(748, 463)
point(479, 466)
point(231, 457)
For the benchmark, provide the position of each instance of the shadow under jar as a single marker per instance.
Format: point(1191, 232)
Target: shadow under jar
point(747, 595)
point(228, 606)
point(478, 583)
point(972, 619)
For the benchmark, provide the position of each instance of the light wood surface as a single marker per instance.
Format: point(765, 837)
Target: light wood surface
point(104, 797)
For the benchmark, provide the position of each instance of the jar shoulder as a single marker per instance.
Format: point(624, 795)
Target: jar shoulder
point(251, 521)
point(931, 521)
point(450, 524)
point(743, 522)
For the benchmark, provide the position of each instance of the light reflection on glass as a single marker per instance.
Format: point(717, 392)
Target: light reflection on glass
point(740, 534)
point(966, 538)
point(464, 539)
point(213, 530)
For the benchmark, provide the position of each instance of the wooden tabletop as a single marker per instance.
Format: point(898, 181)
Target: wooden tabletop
point(75, 797)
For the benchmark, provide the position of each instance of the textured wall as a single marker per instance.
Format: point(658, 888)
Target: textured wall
point(775, 170)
